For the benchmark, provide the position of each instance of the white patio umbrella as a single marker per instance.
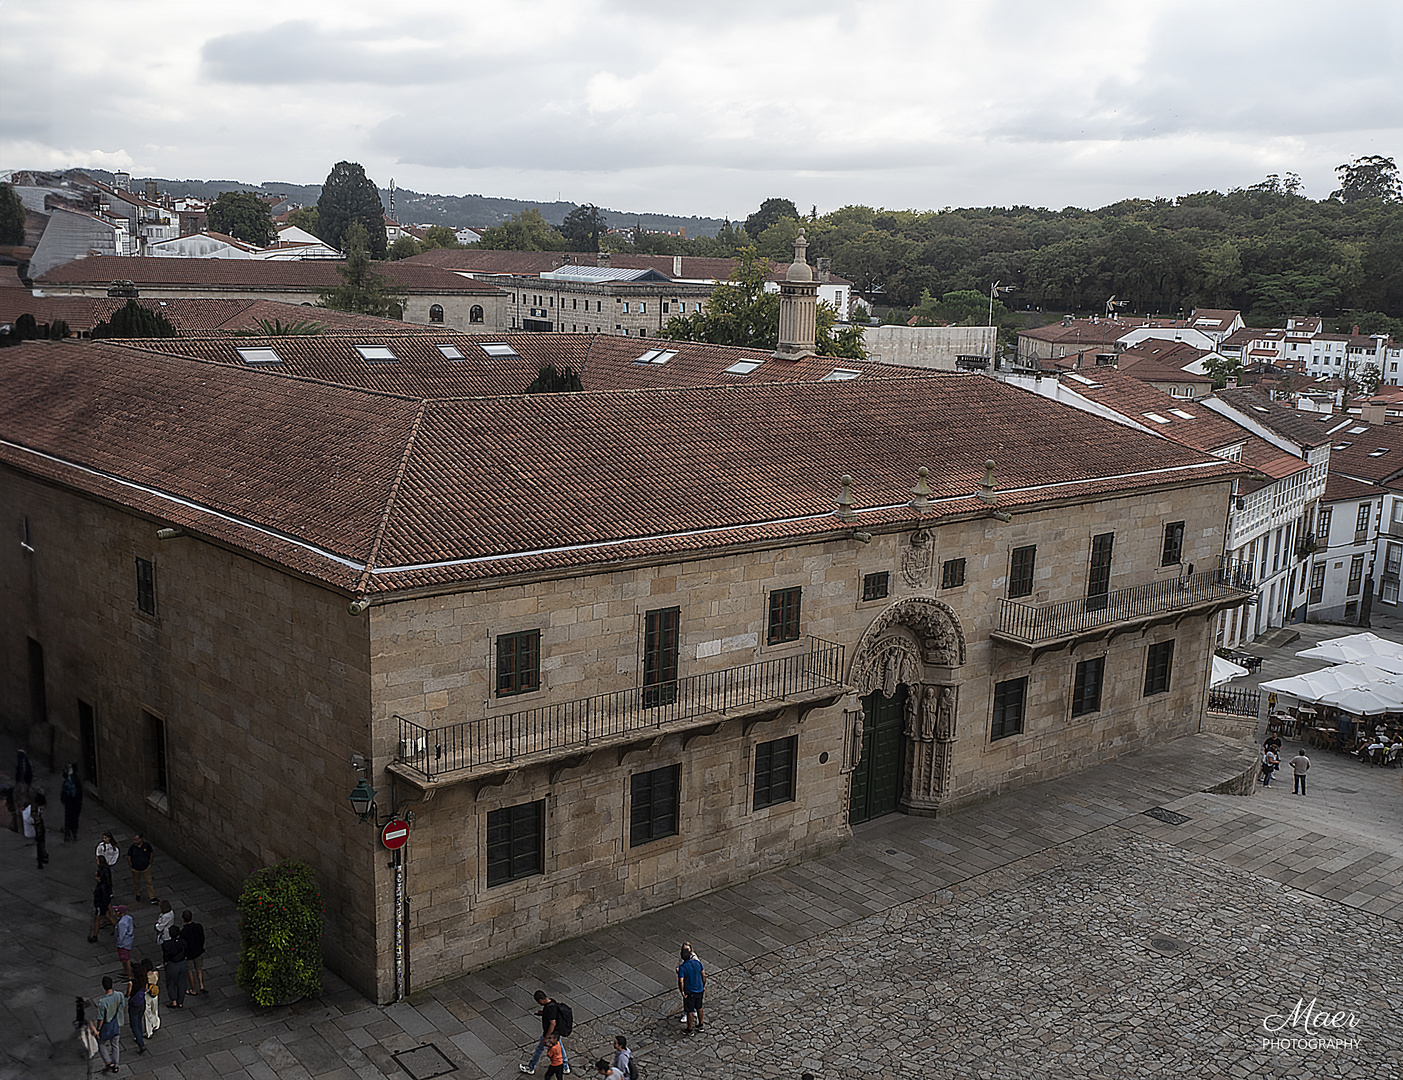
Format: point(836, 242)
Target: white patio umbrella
point(1364, 648)
point(1316, 685)
point(1225, 670)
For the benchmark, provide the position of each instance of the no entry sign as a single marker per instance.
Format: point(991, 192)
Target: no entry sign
point(395, 834)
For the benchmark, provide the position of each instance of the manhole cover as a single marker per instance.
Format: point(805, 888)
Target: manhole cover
point(1169, 817)
point(1166, 945)
point(424, 1062)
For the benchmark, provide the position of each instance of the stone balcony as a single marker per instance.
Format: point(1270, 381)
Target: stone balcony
point(567, 731)
point(1041, 627)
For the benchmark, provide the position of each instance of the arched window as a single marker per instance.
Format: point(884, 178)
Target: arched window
point(436, 313)
point(475, 315)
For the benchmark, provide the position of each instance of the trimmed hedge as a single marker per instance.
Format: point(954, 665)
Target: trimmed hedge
point(280, 924)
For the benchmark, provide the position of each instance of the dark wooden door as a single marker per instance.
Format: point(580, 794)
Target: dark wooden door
point(660, 648)
point(1098, 585)
point(876, 782)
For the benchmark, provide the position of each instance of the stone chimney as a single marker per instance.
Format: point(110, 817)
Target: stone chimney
point(798, 307)
point(677, 266)
point(603, 258)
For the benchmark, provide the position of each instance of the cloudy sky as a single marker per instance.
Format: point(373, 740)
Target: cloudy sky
point(709, 106)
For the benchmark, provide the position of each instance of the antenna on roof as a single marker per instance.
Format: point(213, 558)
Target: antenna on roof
point(392, 201)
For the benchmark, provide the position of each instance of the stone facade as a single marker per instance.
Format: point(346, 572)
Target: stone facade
point(621, 308)
point(266, 685)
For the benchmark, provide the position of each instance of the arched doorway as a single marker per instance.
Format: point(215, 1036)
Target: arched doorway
point(878, 777)
point(905, 669)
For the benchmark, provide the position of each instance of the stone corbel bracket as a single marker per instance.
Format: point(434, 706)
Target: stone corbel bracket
point(642, 746)
point(495, 780)
point(574, 761)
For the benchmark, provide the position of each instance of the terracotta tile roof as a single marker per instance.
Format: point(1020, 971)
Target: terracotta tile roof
point(1154, 360)
point(1247, 334)
point(1339, 488)
point(1355, 453)
point(304, 473)
point(421, 369)
point(298, 275)
point(186, 313)
point(1079, 332)
point(1200, 428)
point(1290, 423)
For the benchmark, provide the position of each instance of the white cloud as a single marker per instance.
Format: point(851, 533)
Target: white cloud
point(710, 108)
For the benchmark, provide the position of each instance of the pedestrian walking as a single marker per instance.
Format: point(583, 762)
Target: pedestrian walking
point(623, 1059)
point(141, 855)
point(24, 778)
point(107, 851)
point(126, 938)
point(691, 983)
point(110, 1008)
point(41, 832)
point(1300, 765)
point(173, 955)
point(164, 921)
point(27, 818)
point(603, 1068)
point(556, 1019)
point(555, 1059)
point(153, 998)
point(136, 1005)
point(71, 795)
point(193, 934)
point(102, 899)
point(1269, 766)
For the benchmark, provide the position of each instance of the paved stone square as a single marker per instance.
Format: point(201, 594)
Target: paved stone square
point(1056, 931)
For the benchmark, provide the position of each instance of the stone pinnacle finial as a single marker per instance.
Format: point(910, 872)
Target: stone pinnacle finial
point(920, 494)
point(986, 486)
point(845, 500)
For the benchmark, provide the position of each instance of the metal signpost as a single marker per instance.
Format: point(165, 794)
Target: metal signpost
point(394, 836)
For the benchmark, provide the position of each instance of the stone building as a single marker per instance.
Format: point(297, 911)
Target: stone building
point(433, 297)
point(603, 650)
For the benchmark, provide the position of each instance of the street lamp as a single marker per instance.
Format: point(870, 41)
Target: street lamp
point(362, 795)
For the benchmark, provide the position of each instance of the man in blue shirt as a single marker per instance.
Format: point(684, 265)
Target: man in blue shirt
point(691, 982)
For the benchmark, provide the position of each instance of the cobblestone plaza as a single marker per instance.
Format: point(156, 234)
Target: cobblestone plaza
point(1057, 931)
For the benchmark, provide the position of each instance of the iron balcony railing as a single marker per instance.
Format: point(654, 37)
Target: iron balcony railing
point(1234, 702)
point(498, 740)
point(1033, 624)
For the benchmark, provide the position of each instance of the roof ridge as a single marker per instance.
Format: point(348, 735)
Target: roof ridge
point(384, 525)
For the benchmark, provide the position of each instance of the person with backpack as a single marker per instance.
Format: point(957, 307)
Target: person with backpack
point(623, 1059)
point(556, 1019)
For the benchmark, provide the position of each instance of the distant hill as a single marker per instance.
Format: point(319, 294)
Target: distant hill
point(416, 208)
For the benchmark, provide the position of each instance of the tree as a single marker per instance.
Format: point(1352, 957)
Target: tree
point(278, 328)
point(280, 926)
point(549, 380)
point(583, 227)
point(131, 320)
point(243, 215)
point(348, 195)
point(306, 219)
point(1369, 378)
point(439, 236)
point(771, 210)
point(12, 216)
point(527, 231)
point(1368, 177)
point(777, 241)
point(1222, 368)
point(404, 248)
point(362, 291)
point(743, 313)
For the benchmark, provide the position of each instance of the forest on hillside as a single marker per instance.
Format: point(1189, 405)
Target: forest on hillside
point(1265, 250)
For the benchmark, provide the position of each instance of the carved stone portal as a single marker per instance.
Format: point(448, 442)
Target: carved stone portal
point(915, 642)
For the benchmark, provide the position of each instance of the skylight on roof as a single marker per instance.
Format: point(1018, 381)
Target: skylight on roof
point(375, 352)
point(1081, 379)
point(743, 367)
point(1342, 446)
point(1360, 430)
point(840, 375)
point(1380, 452)
point(1182, 415)
point(1157, 418)
point(656, 356)
point(450, 352)
point(1260, 408)
point(259, 356)
point(497, 348)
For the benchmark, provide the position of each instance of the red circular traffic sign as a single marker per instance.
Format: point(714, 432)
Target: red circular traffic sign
point(395, 834)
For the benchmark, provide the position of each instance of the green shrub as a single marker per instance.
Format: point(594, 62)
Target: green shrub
point(280, 924)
